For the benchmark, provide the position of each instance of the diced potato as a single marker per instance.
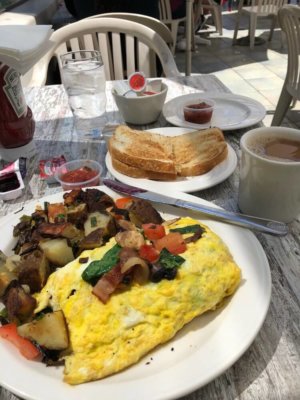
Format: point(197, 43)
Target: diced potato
point(13, 263)
point(50, 331)
point(5, 278)
point(2, 258)
point(98, 220)
point(93, 240)
point(19, 304)
point(57, 251)
point(71, 232)
point(34, 270)
point(57, 212)
point(78, 214)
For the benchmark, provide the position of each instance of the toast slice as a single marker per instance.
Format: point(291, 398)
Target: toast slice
point(142, 154)
point(135, 172)
point(196, 153)
point(142, 149)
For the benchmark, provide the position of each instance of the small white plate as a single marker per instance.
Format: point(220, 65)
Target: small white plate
point(199, 353)
point(185, 184)
point(231, 111)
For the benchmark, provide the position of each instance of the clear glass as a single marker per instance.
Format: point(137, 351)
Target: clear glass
point(84, 80)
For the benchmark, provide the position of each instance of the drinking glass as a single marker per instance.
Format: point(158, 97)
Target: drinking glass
point(83, 77)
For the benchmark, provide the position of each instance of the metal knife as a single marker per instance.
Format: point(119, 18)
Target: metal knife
point(246, 221)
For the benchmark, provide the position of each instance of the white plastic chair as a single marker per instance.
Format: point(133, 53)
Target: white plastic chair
point(165, 15)
point(289, 21)
point(151, 22)
point(258, 9)
point(111, 36)
point(215, 10)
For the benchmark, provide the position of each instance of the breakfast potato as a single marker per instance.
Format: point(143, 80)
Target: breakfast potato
point(57, 251)
point(34, 270)
point(19, 304)
point(100, 220)
point(5, 278)
point(50, 331)
point(77, 214)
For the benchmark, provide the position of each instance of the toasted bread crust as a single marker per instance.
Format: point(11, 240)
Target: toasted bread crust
point(143, 154)
point(204, 167)
point(134, 172)
point(145, 150)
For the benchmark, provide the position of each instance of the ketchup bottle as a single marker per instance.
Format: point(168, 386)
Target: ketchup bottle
point(16, 120)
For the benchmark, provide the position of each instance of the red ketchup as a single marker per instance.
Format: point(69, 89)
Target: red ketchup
point(200, 113)
point(16, 120)
point(80, 175)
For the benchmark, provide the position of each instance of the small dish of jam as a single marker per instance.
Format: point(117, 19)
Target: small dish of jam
point(200, 112)
point(79, 174)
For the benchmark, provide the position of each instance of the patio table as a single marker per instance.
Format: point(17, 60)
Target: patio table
point(270, 368)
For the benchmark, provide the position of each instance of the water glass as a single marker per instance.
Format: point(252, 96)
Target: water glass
point(83, 77)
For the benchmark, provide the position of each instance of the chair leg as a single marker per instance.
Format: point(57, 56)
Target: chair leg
point(174, 31)
point(219, 22)
point(236, 28)
point(274, 22)
point(282, 107)
point(252, 28)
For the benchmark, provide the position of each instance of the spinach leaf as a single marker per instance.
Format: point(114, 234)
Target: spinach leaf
point(97, 268)
point(188, 229)
point(169, 260)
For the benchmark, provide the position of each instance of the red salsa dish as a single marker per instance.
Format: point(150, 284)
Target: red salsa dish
point(80, 175)
point(200, 113)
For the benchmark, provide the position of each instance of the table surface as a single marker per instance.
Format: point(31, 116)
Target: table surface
point(270, 368)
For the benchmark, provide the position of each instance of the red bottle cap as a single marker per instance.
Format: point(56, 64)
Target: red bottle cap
point(137, 81)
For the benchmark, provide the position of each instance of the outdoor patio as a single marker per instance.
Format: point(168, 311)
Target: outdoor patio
point(257, 73)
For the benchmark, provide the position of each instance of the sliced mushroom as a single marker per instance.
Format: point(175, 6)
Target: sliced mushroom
point(131, 239)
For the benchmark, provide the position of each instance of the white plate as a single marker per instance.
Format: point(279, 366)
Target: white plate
point(231, 111)
point(189, 184)
point(202, 350)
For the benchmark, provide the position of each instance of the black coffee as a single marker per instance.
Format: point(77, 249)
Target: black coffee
point(275, 148)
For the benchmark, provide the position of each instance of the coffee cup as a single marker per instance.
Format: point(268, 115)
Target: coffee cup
point(269, 184)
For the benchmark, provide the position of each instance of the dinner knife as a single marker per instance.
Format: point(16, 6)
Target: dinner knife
point(246, 221)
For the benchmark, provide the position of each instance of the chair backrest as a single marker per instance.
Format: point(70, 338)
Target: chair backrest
point(165, 11)
point(289, 21)
point(267, 6)
point(151, 22)
point(125, 46)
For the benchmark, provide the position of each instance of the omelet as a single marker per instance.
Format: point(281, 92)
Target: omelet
point(106, 338)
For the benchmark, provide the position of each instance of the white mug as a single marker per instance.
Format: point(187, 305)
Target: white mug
point(269, 186)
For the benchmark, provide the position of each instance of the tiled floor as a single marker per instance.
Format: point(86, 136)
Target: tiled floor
point(257, 73)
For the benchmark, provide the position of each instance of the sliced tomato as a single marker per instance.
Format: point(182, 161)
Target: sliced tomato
point(148, 253)
point(25, 346)
point(154, 231)
point(173, 242)
point(122, 202)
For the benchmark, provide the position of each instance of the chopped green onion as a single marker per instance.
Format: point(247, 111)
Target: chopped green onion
point(93, 222)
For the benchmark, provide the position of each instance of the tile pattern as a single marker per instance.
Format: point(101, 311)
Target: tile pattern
point(257, 73)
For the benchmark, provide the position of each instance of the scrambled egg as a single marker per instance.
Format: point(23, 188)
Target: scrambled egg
point(106, 338)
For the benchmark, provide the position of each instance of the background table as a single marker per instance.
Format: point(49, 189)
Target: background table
point(270, 368)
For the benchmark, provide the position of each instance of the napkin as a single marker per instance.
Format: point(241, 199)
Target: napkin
point(21, 46)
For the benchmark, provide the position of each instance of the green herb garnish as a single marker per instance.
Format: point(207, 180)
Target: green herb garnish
point(169, 260)
point(188, 229)
point(97, 268)
point(93, 222)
